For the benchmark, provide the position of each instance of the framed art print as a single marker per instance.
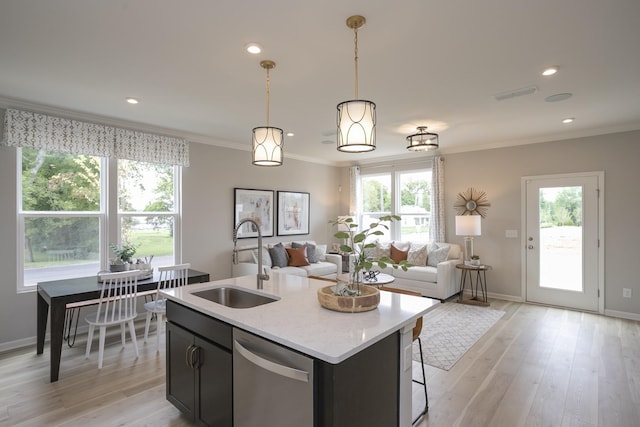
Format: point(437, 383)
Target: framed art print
point(293, 213)
point(256, 205)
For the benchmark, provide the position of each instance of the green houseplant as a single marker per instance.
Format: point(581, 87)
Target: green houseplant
point(123, 256)
point(358, 244)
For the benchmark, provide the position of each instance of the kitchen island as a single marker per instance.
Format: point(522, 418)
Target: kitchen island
point(371, 350)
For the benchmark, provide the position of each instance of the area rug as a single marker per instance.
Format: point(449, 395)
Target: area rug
point(450, 330)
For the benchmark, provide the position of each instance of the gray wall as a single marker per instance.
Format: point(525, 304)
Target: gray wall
point(207, 219)
point(499, 173)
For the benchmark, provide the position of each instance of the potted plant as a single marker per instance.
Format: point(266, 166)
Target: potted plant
point(123, 256)
point(358, 242)
point(475, 260)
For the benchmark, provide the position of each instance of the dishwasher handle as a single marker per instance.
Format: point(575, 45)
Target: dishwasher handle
point(276, 368)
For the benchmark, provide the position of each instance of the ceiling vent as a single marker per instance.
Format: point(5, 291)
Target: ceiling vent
point(516, 92)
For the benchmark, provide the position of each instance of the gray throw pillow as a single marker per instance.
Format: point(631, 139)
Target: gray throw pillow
point(279, 257)
point(310, 252)
point(437, 255)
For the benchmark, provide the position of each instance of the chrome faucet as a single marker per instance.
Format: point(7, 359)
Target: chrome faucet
point(261, 276)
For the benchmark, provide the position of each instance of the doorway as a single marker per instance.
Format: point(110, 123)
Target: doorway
point(563, 248)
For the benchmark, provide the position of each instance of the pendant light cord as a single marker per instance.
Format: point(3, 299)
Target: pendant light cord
point(355, 57)
point(268, 94)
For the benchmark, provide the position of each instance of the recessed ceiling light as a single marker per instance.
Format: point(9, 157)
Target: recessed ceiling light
point(568, 120)
point(253, 48)
point(549, 71)
point(290, 134)
point(132, 100)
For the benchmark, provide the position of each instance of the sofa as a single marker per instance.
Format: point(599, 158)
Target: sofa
point(433, 270)
point(300, 258)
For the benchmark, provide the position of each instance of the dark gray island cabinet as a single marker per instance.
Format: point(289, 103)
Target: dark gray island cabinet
point(199, 366)
point(362, 390)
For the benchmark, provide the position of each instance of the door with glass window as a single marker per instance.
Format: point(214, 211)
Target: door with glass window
point(562, 240)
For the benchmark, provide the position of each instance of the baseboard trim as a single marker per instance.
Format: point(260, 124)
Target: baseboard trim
point(622, 314)
point(494, 295)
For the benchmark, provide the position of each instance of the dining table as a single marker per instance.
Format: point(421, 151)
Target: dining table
point(55, 295)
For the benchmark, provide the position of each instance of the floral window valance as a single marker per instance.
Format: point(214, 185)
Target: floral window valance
point(41, 131)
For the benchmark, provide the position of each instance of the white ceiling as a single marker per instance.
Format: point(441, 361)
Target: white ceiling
point(423, 62)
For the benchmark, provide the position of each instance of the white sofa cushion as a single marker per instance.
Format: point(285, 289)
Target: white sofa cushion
point(320, 269)
point(425, 274)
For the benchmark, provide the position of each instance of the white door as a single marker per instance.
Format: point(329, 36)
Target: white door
point(562, 254)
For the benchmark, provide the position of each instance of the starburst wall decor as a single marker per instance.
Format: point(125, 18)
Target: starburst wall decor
point(472, 202)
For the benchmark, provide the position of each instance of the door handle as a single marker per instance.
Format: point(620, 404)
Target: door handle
point(191, 356)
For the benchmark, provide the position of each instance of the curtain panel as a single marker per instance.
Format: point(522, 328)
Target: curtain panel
point(354, 190)
point(437, 228)
point(43, 132)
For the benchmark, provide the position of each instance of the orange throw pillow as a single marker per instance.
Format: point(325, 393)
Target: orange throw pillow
point(297, 257)
point(397, 255)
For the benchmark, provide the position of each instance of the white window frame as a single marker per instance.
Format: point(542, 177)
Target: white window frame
point(396, 200)
point(108, 218)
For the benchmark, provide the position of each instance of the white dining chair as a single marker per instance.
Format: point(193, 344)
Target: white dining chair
point(173, 276)
point(117, 306)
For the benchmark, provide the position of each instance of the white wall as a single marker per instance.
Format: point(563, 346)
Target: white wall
point(207, 219)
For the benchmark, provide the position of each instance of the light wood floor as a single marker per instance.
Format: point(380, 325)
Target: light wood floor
point(538, 366)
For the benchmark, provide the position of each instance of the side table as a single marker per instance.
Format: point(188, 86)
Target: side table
point(480, 281)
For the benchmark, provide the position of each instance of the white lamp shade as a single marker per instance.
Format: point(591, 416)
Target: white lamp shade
point(356, 126)
point(267, 146)
point(468, 225)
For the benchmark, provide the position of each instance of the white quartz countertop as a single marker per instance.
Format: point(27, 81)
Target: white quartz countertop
point(298, 321)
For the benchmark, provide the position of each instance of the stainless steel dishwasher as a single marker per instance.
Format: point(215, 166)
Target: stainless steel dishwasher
point(272, 385)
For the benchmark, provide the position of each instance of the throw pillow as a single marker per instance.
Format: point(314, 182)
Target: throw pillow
point(382, 249)
point(266, 258)
point(403, 246)
point(397, 255)
point(279, 257)
point(310, 250)
point(417, 254)
point(321, 252)
point(296, 257)
point(437, 255)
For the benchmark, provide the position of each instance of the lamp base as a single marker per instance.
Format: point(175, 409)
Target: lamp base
point(468, 248)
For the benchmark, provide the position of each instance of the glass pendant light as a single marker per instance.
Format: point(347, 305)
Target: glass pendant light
point(356, 118)
point(423, 140)
point(267, 140)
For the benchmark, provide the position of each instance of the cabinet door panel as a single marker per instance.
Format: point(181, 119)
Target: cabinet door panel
point(214, 385)
point(180, 377)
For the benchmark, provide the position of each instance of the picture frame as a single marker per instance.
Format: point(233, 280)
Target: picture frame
point(293, 213)
point(256, 205)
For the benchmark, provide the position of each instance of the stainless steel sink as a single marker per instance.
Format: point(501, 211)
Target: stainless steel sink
point(234, 297)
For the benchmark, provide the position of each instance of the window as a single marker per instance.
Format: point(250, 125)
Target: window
point(147, 209)
point(63, 214)
point(415, 205)
point(404, 193)
point(376, 200)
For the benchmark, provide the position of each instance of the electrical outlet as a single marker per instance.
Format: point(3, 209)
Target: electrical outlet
point(626, 293)
point(511, 234)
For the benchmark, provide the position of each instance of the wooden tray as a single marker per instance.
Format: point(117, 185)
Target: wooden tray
point(369, 300)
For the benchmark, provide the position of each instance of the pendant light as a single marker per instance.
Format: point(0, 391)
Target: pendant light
point(423, 140)
point(267, 140)
point(356, 118)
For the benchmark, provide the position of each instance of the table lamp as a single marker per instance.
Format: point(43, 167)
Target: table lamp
point(468, 226)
